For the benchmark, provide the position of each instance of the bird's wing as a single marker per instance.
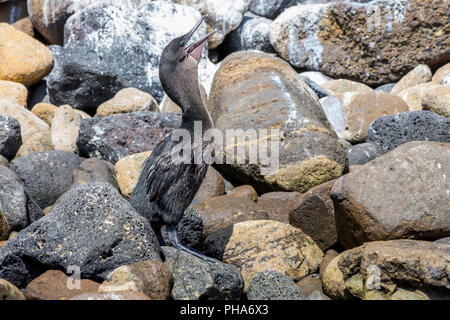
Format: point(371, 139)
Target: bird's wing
point(172, 186)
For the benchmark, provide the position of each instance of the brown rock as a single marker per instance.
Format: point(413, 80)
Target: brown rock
point(313, 213)
point(279, 195)
point(212, 186)
point(329, 255)
point(64, 129)
point(310, 283)
point(276, 209)
point(167, 105)
point(127, 171)
point(277, 204)
point(253, 90)
point(402, 194)
point(5, 229)
point(127, 100)
point(414, 96)
point(2, 243)
point(441, 73)
point(370, 41)
point(256, 246)
point(245, 192)
point(119, 295)
point(418, 75)
point(39, 141)
point(45, 111)
point(94, 170)
point(55, 285)
point(437, 99)
point(153, 278)
point(397, 269)
point(22, 58)
point(12, 10)
point(8, 291)
point(29, 123)
point(352, 113)
point(335, 87)
point(24, 25)
point(14, 91)
point(49, 17)
point(83, 114)
point(224, 211)
point(47, 209)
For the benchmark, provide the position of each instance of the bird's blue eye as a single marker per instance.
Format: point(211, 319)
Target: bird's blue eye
point(182, 43)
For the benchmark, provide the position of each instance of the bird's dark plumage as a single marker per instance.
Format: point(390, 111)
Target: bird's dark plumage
point(166, 188)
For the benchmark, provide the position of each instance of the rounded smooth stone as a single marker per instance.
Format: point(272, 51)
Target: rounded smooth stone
point(46, 175)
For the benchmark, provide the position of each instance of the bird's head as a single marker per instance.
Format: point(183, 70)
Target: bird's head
point(178, 68)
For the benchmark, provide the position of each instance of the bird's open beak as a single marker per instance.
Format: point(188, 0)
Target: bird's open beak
point(195, 49)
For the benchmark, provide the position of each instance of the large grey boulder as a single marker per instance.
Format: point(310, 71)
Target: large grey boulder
point(91, 228)
point(46, 175)
point(111, 46)
point(402, 194)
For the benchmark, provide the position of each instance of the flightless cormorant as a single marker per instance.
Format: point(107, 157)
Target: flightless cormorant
point(166, 188)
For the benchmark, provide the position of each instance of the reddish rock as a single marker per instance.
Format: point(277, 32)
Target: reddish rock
point(313, 213)
point(220, 212)
point(212, 186)
point(153, 278)
point(53, 285)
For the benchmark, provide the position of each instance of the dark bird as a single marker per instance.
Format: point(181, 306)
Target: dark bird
point(166, 188)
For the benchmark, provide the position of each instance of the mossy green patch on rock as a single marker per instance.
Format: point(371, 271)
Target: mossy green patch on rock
point(303, 176)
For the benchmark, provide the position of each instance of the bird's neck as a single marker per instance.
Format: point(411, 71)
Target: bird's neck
point(196, 112)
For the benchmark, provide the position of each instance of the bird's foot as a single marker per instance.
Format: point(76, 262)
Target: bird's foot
point(171, 230)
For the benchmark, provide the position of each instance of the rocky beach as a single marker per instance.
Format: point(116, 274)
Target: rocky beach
point(357, 91)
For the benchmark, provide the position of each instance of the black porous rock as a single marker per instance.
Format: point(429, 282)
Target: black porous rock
point(272, 285)
point(197, 279)
point(10, 137)
point(389, 132)
point(112, 138)
point(92, 228)
point(362, 153)
point(113, 45)
point(46, 175)
point(189, 229)
point(17, 206)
